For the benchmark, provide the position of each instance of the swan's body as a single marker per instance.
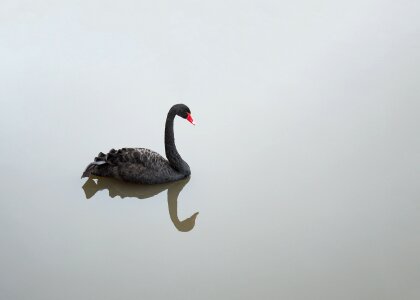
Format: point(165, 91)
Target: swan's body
point(140, 165)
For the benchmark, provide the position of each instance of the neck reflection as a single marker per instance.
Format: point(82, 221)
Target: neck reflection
point(123, 189)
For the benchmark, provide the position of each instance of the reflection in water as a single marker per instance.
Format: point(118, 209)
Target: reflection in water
point(123, 189)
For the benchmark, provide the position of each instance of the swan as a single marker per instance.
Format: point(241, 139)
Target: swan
point(140, 165)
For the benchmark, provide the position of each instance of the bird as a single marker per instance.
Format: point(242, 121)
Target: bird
point(144, 166)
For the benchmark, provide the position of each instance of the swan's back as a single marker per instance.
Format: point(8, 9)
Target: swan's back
point(137, 165)
point(148, 158)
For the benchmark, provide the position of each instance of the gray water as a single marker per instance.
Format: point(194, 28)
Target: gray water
point(305, 158)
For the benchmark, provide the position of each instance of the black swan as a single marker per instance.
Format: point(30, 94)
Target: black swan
point(140, 165)
point(123, 189)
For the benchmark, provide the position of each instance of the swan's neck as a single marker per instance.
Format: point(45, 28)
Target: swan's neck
point(172, 154)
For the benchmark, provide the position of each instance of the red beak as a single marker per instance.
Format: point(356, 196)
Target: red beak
point(190, 119)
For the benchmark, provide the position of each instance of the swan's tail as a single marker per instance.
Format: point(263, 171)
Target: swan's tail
point(92, 166)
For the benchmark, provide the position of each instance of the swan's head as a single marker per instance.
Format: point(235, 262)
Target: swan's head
point(184, 112)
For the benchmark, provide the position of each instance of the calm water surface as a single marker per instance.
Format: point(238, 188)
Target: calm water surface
point(305, 159)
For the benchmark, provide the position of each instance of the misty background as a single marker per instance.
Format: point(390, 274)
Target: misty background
point(305, 157)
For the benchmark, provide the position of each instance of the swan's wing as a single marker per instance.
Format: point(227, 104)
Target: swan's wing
point(132, 164)
point(133, 156)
